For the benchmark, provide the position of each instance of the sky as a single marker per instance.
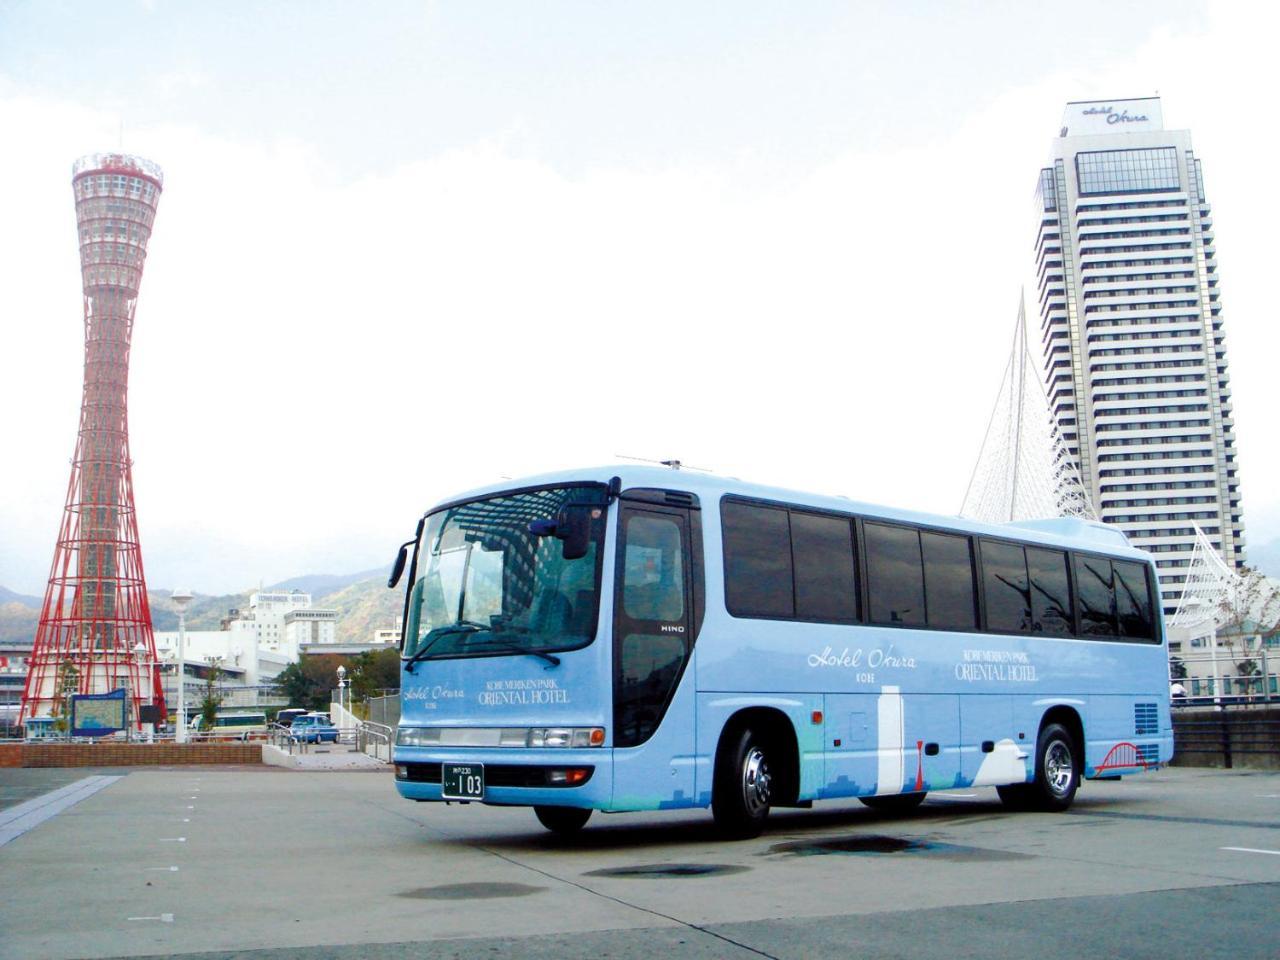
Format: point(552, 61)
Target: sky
point(405, 249)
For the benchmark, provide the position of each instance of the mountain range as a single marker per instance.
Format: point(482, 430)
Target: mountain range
point(362, 600)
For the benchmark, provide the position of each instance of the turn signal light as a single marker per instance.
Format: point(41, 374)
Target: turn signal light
point(572, 776)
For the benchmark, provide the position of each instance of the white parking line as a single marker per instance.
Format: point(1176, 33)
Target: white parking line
point(166, 869)
point(18, 819)
point(953, 796)
point(173, 839)
point(1274, 853)
point(163, 918)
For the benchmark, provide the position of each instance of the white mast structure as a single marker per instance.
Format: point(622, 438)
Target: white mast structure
point(1025, 471)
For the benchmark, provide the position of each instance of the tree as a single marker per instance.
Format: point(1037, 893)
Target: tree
point(67, 683)
point(1249, 609)
point(211, 699)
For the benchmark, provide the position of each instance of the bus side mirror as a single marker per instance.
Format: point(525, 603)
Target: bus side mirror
point(572, 525)
point(398, 569)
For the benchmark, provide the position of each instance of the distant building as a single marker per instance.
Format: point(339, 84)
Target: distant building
point(384, 635)
point(281, 622)
point(251, 649)
point(1135, 355)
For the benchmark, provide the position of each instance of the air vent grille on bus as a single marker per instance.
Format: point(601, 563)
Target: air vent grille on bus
point(1149, 753)
point(1146, 719)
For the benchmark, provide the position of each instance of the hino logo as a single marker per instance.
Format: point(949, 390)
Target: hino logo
point(671, 629)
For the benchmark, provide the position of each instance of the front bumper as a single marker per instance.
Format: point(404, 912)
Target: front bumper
point(513, 777)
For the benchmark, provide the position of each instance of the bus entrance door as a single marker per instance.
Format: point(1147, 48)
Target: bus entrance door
point(653, 729)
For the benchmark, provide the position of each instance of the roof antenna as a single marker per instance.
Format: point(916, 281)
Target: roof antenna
point(673, 464)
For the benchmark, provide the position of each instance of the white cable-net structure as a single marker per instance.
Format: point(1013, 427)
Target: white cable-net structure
point(1210, 588)
point(1025, 470)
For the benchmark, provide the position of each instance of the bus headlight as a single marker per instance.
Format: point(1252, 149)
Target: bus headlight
point(566, 737)
point(416, 736)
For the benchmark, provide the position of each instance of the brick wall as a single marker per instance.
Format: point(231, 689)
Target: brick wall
point(125, 754)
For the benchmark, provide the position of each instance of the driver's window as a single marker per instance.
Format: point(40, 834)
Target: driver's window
point(653, 584)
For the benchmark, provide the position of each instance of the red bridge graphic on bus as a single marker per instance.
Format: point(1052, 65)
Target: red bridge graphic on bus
point(1121, 757)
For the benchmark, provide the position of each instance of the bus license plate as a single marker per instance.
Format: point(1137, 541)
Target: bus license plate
point(462, 781)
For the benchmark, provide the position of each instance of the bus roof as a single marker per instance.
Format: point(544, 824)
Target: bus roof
point(1056, 531)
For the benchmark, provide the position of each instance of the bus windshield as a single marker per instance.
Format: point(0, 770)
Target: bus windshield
point(493, 587)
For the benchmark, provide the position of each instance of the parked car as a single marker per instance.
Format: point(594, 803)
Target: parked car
point(288, 715)
point(314, 728)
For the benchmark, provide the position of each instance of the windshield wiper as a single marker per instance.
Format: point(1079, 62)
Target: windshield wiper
point(461, 627)
point(499, 646)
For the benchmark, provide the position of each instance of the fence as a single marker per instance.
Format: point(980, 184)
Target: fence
point(1228, 737)
point(385, 710)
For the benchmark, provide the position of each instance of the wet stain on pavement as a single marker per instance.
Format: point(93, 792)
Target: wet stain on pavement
point(471, 891)
point(865, 845)
point(667, 871)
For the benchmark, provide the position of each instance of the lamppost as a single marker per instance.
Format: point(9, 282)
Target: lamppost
point(342, 682)
point(146, 694)
point(180, 599)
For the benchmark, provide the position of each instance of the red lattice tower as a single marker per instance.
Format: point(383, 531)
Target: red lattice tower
point(95, 626)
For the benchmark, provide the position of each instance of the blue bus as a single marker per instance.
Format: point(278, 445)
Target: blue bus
point(637, 638)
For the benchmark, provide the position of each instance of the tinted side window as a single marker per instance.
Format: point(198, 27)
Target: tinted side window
point(895, 575)
point(948, 581)
point(1133, 600)
point(1004, 583)
point(1095, 598)
point(826, 583)
point(1050, 591)
point(757, 560)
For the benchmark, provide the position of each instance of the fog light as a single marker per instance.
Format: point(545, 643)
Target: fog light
point(402, 772)
point(570, 777)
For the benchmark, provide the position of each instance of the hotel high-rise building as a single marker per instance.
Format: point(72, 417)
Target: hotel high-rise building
point(1135, 356)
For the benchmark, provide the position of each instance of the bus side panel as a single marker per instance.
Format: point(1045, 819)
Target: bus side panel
point(891, 742)
point(1126, 734)
point(853, 744)
point(659, 773)
point(986, 720)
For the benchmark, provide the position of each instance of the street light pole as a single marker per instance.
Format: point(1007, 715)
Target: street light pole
point(181, 598)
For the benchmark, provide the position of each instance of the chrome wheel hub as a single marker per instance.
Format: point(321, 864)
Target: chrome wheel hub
point(757, 784)
point(1058, 768)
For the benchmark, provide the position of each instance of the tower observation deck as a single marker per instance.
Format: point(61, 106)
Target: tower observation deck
point(95, 633)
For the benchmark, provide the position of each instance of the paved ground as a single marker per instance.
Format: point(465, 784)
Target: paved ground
point(334, 865)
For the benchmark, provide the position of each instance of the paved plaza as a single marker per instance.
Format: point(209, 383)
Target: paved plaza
point(266, 863)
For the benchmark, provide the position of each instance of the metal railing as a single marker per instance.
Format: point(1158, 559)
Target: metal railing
point(1224, 683)
point(375, 739)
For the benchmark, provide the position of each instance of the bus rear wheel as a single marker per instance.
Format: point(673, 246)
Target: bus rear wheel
point(895, 803)
point(743, 788)
point(562, 821)
point(1057, 774)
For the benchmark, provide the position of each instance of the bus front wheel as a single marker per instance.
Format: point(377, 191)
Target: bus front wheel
point(743, 788)
point(563, 821)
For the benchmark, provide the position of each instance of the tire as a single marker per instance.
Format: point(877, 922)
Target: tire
point(742, 790)
point(562, 821)
point(895, 803)
point(1057, 769)
point(1057, 774)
